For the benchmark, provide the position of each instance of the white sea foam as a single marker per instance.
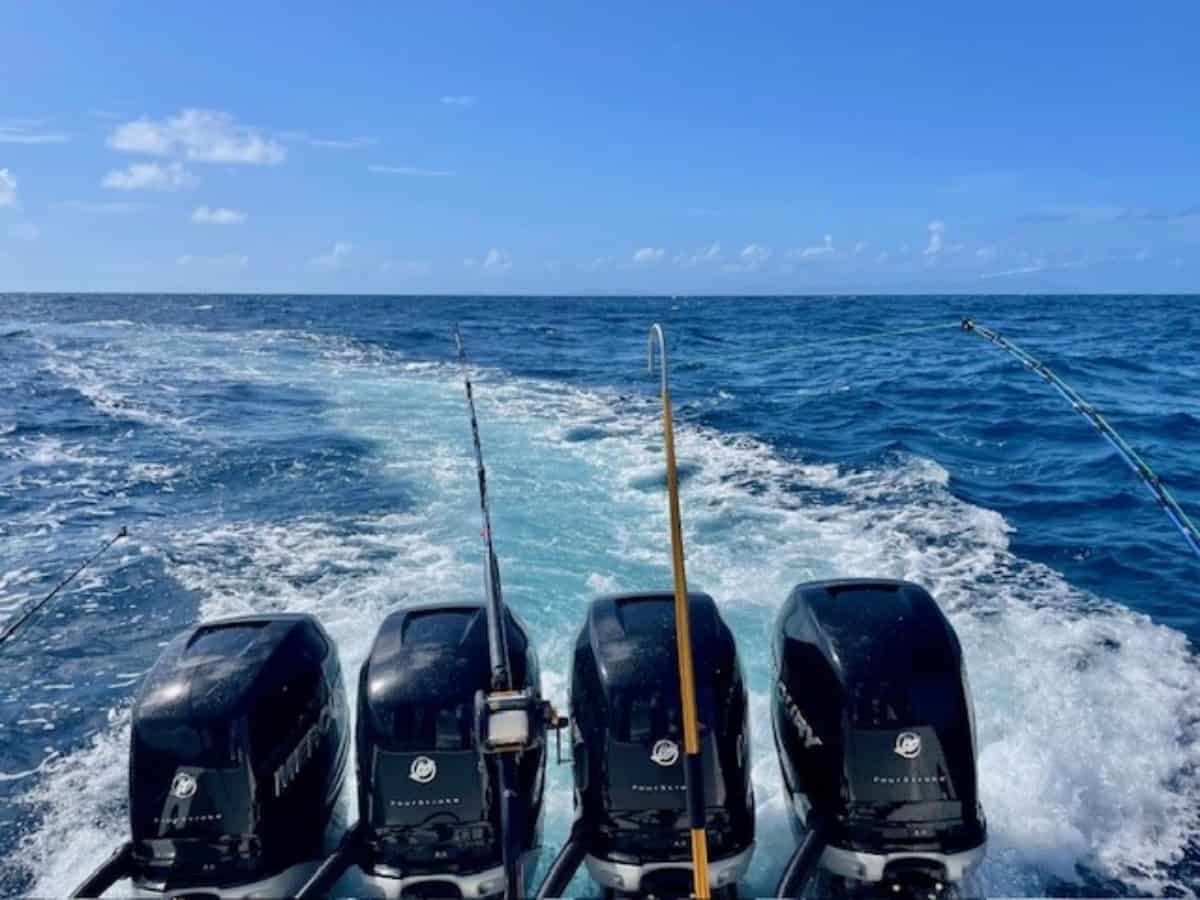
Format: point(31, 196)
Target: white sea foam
point(1086, 712)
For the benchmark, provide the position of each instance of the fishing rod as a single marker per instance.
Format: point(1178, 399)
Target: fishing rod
point(694, 773)
point(1128, 455)
point(507, 717)
point(497, 634)
point(29, 613)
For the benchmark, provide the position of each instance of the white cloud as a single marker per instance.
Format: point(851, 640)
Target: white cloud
point(752, 258)
point(410, 171)
point(861, 247)
point(458, 100)
point(228, 261)
point(497, 260)
point(937, 238)
point(334, 258)
point(29, 131)
point(711, 253)
point(822, 250)
point(600, 262)
point(199, 135)
point(355, 143)
point(24, 231)
point(220, 216)
point(985, 254)
point(648, 255)
point(406, 266)
point(114, 207)
point(150, 177)
point(8, 188)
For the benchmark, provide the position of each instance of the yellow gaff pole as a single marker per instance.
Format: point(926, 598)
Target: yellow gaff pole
point(683, 640)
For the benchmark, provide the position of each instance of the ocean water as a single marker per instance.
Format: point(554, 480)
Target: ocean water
point(313, 454)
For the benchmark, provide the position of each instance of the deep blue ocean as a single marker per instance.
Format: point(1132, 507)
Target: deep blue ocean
point(313, 453)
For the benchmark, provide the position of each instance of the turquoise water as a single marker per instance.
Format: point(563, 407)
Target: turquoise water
point(314, 454)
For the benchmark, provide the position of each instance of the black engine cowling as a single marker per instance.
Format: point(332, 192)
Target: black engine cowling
point(239, 745)
point(875, 732)
point(628, 744)
point(427, 790)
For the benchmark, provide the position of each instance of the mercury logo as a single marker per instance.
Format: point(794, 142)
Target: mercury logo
point(183, 786)
point(665, 753)
point(423, 770)
point(908, 745)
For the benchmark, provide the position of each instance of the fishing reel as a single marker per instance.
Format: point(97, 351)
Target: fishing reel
point(516, 722)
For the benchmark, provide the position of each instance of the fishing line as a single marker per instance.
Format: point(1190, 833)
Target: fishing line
point(11, 629)
point(1148, 477)
point(832, 342)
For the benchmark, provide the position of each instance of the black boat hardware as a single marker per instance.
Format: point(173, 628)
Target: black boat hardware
point(450, 743)
point(663, 796)
point(239, 744)
point(875, 733)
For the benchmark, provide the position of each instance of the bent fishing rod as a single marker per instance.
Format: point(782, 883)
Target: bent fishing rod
point(1165, 499)
point(10, 630)
point(694, 772)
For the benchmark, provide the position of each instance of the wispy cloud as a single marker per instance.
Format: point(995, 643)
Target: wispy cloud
point(24, 231)
point(410, 171)
point(219, 216)
point(228, 261)
point(497, 260)
point(355, 143)
point(937, 238)
point(861, 247)
point(986, 254)
point(199, 135)
point(406, 266)
point(29, 131)
point(1107, 215)
point(646, 256)
point(752, 258)
point(458, 100)
point(150, 177)
point(1042, 264)
point(8, 188)
point(595, 265)
point(111, 207)
point(710, 254)
point(335, 257)
point(883, 257)
point(823, 250)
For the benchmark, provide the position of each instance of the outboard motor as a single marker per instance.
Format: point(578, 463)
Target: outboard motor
point(427, 751)
point(875, 732)
point(238, 755)
point(631, 803)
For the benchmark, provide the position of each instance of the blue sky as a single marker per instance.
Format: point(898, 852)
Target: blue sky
point(692, 147)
